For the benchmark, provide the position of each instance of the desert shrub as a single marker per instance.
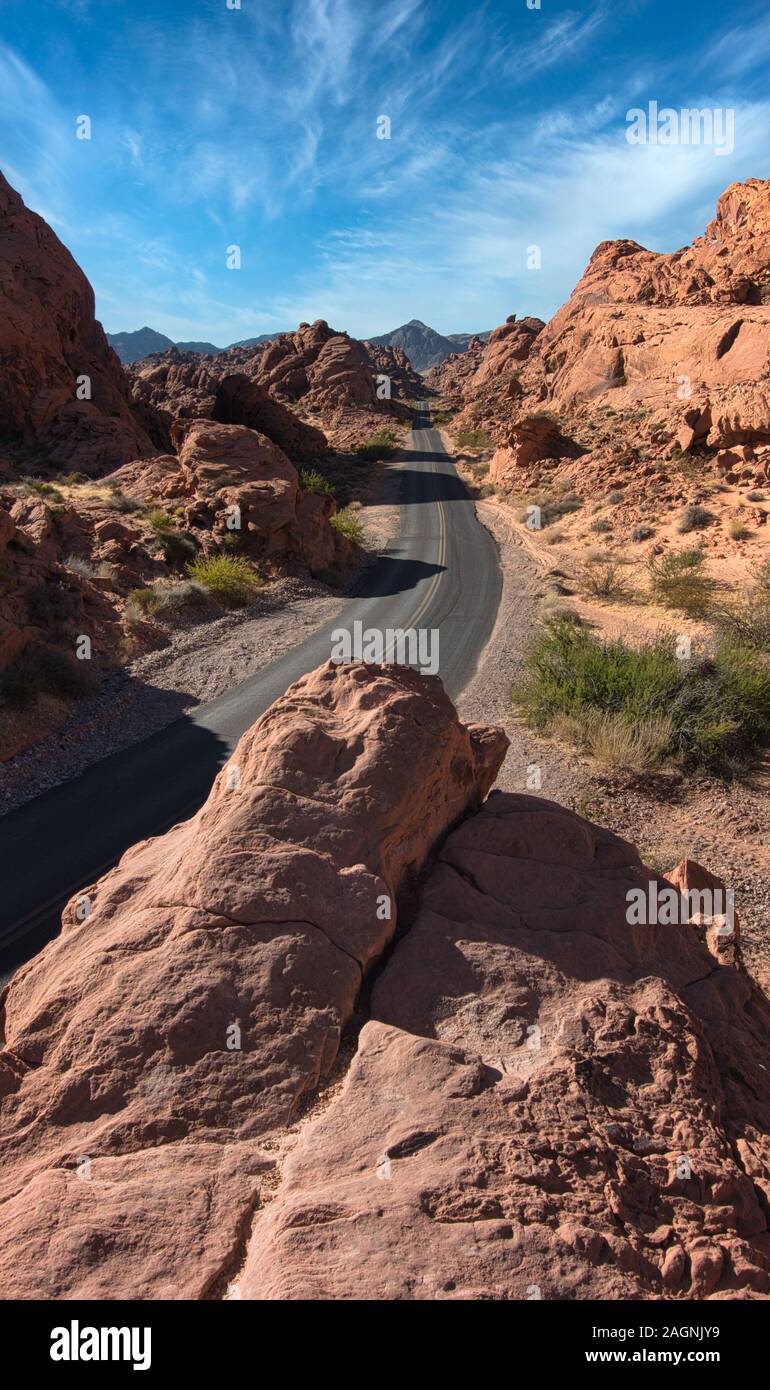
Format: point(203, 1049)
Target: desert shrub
point(604, 579)
point(73, 479)
point(381, 446)
point(677, 581)
point(43, 670)
point(615, 743)
point(473, 439)
point(178, 547)
point(746, 621)
point(167, 601)
point(719, 707)
point(313, 481)
point(642, 532)
point(615, 498)
point(761, 576)
point(348, 525)
point(51, 605)
point(141, 603)
point(43, 489)
point(229, 579)
point(601, 525)
point(78, 564)
point(694, 518)
point(738, 530)
point(120, 502)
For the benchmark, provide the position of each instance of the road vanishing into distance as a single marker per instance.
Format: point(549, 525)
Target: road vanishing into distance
point(440, 571)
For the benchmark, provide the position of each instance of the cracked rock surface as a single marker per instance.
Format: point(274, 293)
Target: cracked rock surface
point(134, 1131)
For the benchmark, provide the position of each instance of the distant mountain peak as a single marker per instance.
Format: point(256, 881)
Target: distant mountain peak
point(424, 347)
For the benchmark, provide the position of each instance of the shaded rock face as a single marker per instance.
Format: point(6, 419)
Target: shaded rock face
point(186, 386)
point(328, 376)
point(548, 1101)
point(529, 441)
point(154, 1051)
point(49, 339)
point(43, 605)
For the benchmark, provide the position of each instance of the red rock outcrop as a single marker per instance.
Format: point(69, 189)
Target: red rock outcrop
point(658, 350)
point(223, 467)
point(489, 385)
point(552, 1098)
point(548, 1102)
point(187, 386)
point(196, 996)
point(296, 387)
point(449, 379)
point(49, 342)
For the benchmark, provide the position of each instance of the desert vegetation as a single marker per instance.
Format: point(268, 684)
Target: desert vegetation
point(638, 707)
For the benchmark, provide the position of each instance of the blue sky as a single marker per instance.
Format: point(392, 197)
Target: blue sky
point(257, 127)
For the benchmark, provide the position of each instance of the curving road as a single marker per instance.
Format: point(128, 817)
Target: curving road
point(441, 572)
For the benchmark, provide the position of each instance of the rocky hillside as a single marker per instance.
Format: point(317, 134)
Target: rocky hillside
point(544, 1101)
point(64, 398)
point(326, 382)
point(654, 354)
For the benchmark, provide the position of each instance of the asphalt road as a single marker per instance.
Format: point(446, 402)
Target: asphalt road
point(441, 571)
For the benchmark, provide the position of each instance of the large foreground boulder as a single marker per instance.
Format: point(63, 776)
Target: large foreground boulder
point(549, 1102)
point(155, 1052)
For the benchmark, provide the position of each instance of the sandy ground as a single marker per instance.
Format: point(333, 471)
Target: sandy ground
point(724, 826)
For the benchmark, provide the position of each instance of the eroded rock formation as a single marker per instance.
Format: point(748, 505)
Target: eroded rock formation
point(547, 1100)
point(198, 991)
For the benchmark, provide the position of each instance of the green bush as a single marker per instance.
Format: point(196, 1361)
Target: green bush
point(120, 502)
point(605, 579)
point(381, 446)
point(313, 481)
point(229, 579)
point(348, 525)
point(718, 707)
point(178, 546)
point(746, 621)
point(676, 581)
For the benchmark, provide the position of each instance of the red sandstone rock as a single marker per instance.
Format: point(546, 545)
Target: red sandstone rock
point(48, 339)
point(548, 1102)
point(135, 1141)
point(671, 347)
point(188, 386)
point(222, 467)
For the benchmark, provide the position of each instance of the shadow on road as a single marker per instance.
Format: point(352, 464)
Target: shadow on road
point(431, 487)
point(393, 576)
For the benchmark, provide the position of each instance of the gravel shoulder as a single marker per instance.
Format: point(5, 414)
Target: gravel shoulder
point(724, 826)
